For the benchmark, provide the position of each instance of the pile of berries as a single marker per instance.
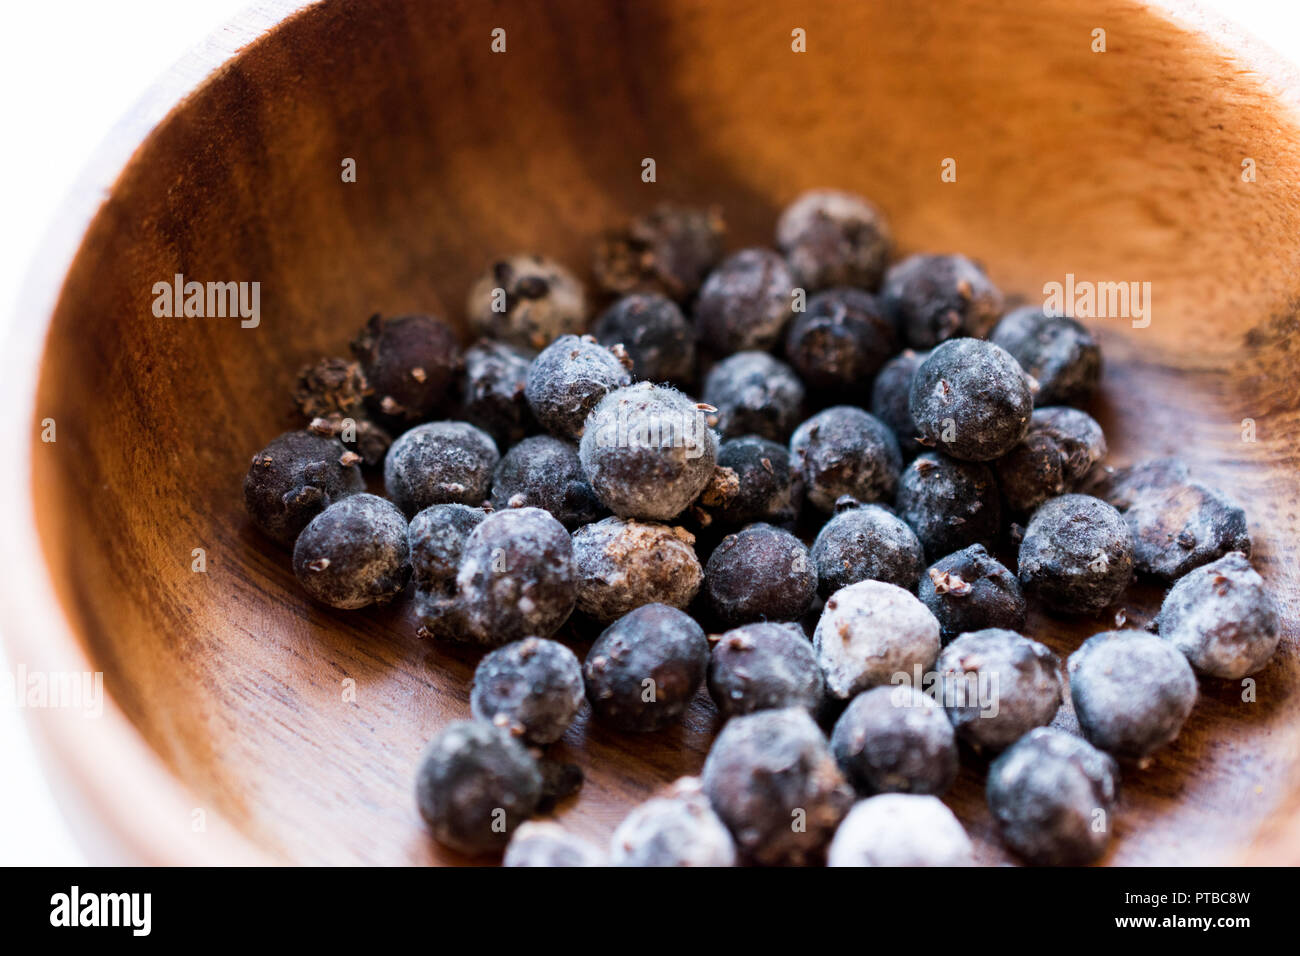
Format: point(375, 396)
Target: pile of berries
point(823, 484)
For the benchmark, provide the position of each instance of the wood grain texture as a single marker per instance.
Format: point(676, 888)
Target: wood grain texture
point(227, 687)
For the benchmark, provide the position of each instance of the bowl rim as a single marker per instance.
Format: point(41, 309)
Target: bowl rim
point(103, 772)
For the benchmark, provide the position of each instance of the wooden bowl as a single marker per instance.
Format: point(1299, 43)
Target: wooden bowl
point(245, 723)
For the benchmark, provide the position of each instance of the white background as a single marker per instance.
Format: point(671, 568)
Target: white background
point(68, 70)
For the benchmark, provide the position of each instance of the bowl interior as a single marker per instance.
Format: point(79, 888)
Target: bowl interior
point(300, 725)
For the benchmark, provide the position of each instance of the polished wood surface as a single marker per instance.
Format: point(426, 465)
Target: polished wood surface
point(230, 690)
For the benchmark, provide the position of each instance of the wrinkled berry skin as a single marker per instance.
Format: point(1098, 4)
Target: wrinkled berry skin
point(540, 843)
point(866, 542)
point(834, 238)
point(1132, 692)
point(1223, 619)
point(950, 504)
point(533, 688)
point(330, 386)
point(764, 666)
point(516, 577)
point(679, 829)
point(759, 573)
point(544, 472)
point(1059, 451)
point(622, 564)
point(437, 536)
point(543, 301)
point(354, 553)
point(1056, 351)
point(901, 829)
point(469, 774)
point(970, 400)
point(1045, 792)
point(870, 632)
point(668, 251)
point(410, 363)
point(1077, 555)
point(440, 463)
point(1121, 487)
point(293, 479)
point(935, 298)
point(969, 590)
point(745, 303)
point(648, 452)
point(1183, 528)
point(889, 399)
point(845, 451)
point(895, 740)
point(840, 341)
point(643, 671)
point(755, 394)
point(766, 488)
point(655, 334)
point(997, 686)
point(568, 379)
point(493, 397)
point(765, 771)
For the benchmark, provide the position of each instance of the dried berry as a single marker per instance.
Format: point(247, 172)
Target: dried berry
point(764, 489)
point(764, 666)
point(934, 298)
point(870, 632)
point(622, 564)
point(331, 386)
point(866, 542)
point(679, 829)
point(1184, 527)
point(900, 829)
point(648, 451)
point(754, 394)
point(889, 398)
point(410, 363)
point(528, 301)
point(834, 238)
point(645, 669)
point(1052, 795)
point(969, 590)
point(475, 785)
point(997, 686)
point(542, 843)
point(493, 398)
point(1132, 692)
point(771, 778)
point(437, 536)
point(544, 472)
point(439, 463)
point(970, 399)
point(745, 302)
point(296, 477)
point(1057, 453)
point(654, 333)
point(532, 688)
point(950, 504)
point(1056, 351)
point(1077, 555)
point(1222, 618)
point(559, 782)
point(516, 577)
point(568, 379)
point(840, 341)
point(669, 250)
point(1121, 487)
point(359, 435)
point(845, 451)
point(354, 553)
point(895, 740)
point(759, 573)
